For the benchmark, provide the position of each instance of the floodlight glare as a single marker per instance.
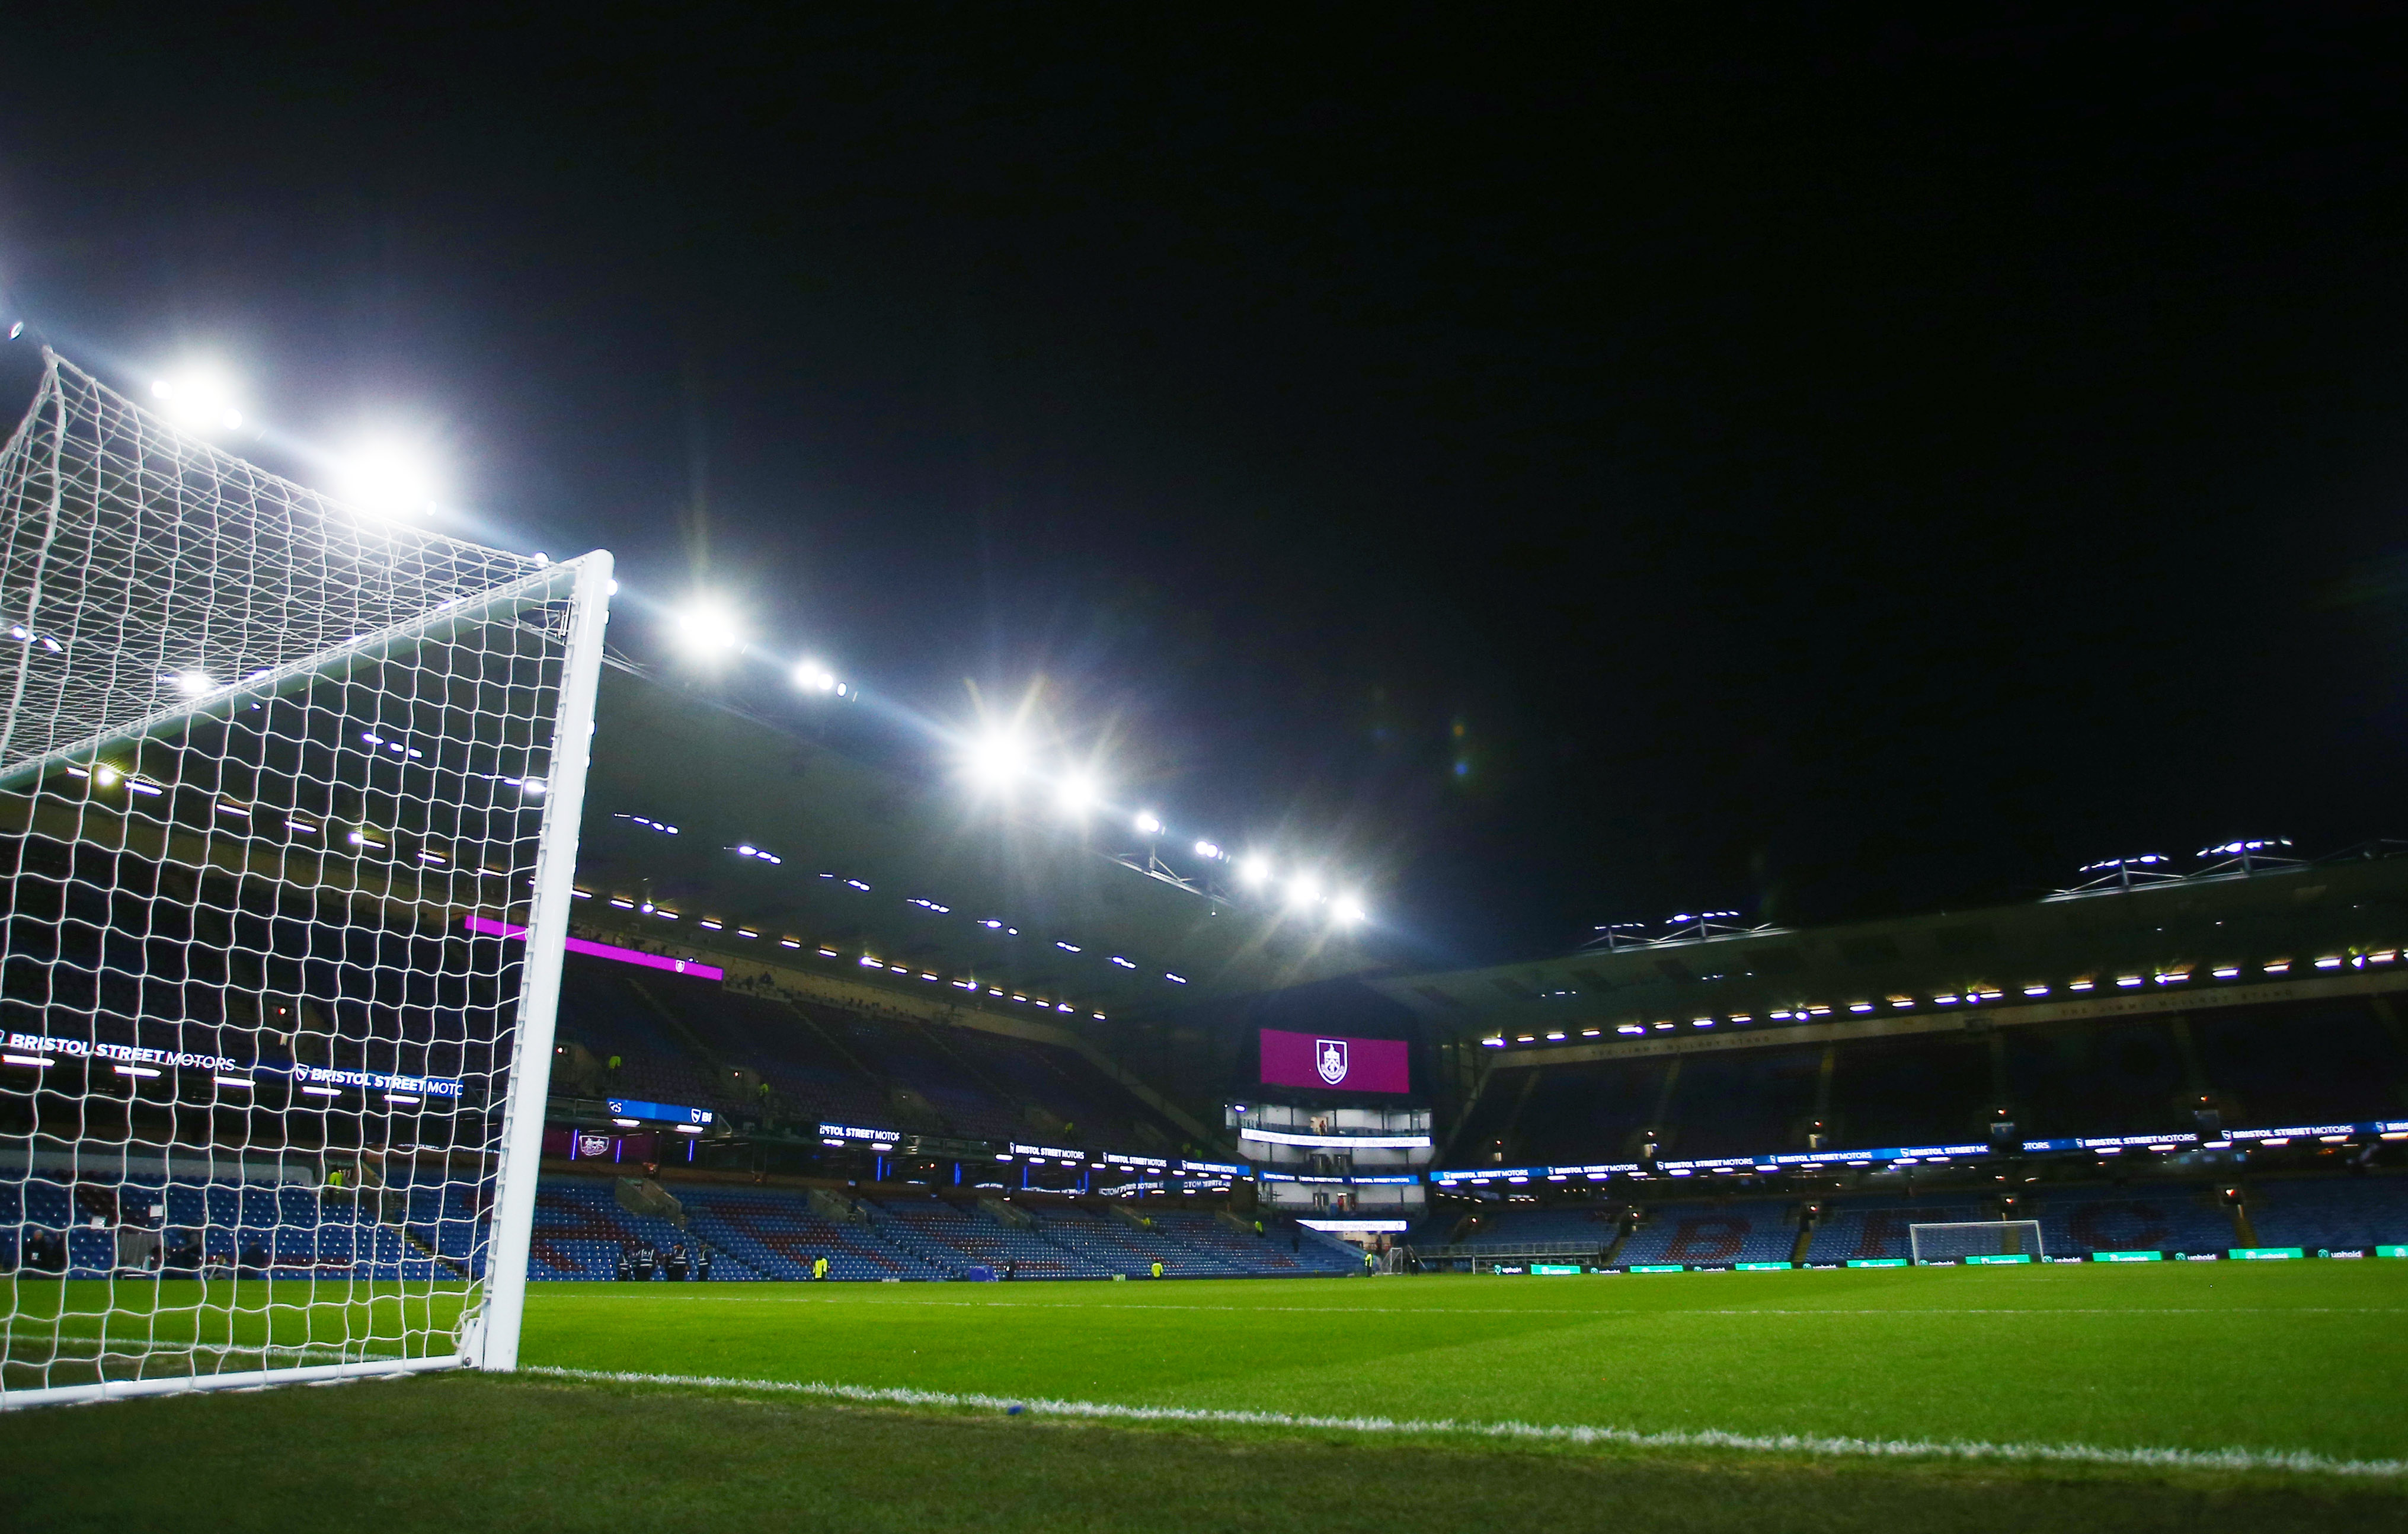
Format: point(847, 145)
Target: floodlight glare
point(1205, 849)
point(193, 684)
point(1254, 869)
point(997, 760)
point(707, 629)
point(387, 479)
point(1076, 794)
point(197, 401)
point(1303, 890)
point(1147, 825)
point(811, 676)
point(1348, 910)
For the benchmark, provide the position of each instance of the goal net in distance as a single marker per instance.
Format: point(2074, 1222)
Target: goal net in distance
point(1977, 1242)
point(267, 1110)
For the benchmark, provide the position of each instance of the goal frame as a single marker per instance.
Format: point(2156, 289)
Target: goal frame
point(2038, 1252)
point(488, 1332)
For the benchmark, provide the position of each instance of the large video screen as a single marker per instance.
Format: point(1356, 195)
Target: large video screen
point(1334, 1062)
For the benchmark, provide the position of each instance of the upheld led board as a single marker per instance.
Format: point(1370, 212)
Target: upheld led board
point(1334, 1062)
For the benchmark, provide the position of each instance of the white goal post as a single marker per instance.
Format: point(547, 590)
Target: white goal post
point(270, 1110)
point(1977, 1240)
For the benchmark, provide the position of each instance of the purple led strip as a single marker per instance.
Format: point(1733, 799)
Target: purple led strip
point(485, 926)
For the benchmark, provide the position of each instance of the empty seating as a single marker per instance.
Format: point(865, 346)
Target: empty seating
point(748, 1049)
point(1758, 1230)
point(2343, 1214)
point(2164, 1217)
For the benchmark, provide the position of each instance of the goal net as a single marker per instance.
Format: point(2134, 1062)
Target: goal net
point(268, 1109)
point(1977, 1240)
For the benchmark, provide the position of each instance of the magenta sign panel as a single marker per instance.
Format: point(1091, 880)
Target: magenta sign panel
point(1335, 1064)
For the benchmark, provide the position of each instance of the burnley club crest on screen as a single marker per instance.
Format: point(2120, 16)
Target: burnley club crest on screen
point(1332, 1053)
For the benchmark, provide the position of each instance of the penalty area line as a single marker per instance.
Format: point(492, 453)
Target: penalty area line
point(1804, 1444)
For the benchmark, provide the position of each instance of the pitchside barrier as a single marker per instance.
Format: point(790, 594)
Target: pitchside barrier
point(267, 1112)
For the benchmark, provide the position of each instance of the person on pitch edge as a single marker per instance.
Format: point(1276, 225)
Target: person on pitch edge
point(1157, 1268)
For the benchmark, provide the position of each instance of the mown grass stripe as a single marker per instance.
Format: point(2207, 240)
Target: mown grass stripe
point(2060, 1454)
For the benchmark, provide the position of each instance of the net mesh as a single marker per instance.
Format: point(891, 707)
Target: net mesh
point(143, 566)
point(261, 761)
point(1959, 1242)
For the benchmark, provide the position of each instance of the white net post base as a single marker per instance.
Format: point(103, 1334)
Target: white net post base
point(1977, 1242)
point(268, 1111)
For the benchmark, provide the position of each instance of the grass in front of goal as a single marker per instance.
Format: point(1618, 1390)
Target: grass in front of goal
point(68, 1333)
point(453, 1451)
point(2274, 1358)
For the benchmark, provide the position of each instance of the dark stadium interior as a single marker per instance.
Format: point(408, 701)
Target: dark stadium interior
point(1112, 767)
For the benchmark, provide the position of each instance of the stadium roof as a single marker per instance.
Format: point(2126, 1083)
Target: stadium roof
point(2158, 945)
point(868, 862)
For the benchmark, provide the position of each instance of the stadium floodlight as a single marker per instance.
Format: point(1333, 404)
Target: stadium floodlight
point(1254, 868)
point(997, 760)
point(1076, 792)
point(199, 401)
point(811, 676)
point(1147, 823)
point(1303, 890)
point(1206, 849)
point(192, 683)
point(321, 627)
point(388, 480)
point(1349, 910)
point(706, 629)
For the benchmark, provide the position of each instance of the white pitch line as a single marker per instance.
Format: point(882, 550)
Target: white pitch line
point(1863, 1448)
point(1601, 1313)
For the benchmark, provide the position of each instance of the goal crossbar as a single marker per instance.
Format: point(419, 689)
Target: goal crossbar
point(548, 584)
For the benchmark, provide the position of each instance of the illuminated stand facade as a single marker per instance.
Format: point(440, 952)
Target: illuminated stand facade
point(1348, 1170)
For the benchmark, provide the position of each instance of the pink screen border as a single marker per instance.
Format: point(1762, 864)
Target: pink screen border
point(485, 926)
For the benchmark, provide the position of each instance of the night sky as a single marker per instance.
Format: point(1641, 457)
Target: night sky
point(1566, 472)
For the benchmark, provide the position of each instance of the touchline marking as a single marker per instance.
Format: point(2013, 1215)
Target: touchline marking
point(1861, 1448)
point(1600, 1313)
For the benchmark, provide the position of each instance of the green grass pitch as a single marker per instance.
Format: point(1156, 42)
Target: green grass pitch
point(1788, 1400)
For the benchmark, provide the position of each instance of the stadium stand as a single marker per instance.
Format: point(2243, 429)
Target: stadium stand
point(2343, 1214)
point(1745, 1230)
point(1917, 1090)
point(776, 1233)
point(1594, 1225)
point(2160, 1217)
point(750, 1050)
point(2299, 1065)
point(264, 1225)
point(1874, 1229)
point(1740, 1101)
